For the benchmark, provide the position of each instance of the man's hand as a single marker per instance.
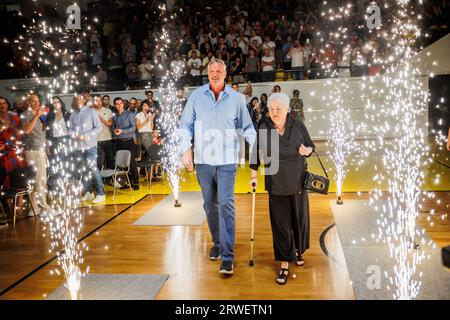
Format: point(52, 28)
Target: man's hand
point(117, 132)
point(81, 138)
point(187, 161)
point(448, 145)
point(305, 151)
point(40, 112)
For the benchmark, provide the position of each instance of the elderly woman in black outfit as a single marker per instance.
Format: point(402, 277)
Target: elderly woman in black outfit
point(288, 201)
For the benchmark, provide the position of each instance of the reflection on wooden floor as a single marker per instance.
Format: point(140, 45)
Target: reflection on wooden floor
point(181, 252)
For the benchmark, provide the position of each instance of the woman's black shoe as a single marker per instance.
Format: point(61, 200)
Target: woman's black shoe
point(282, 277)
point(300, 260)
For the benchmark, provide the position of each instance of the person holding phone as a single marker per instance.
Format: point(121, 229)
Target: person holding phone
point(35, 150)
point(145, 125)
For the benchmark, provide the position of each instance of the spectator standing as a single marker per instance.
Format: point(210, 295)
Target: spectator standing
point(104, 138)
point(10, 141)
point(124, 130)
point(96, 55)
point(296, 105)
point(194, 65)
point(84, 127)
point(145, 125)
point(268, 66)
point(193, 49)
point(115, 66)
point(252, 67)
point(178, 69)
point(145, 69)
point(269, 44)
point(237, 70)
point(106, 102)
point(34, 148)
point(101, 77)
point(287, 59)
point(297, 56)
point(234, 52)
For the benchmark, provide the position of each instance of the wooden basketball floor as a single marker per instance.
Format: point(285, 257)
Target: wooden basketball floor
point(115, 246)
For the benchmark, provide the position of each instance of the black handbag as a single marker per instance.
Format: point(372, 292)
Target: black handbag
point(316, 183)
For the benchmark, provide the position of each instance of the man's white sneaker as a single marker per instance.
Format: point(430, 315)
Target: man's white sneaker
point(88, 196)
point(99, 199)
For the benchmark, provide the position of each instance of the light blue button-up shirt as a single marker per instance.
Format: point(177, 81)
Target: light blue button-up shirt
point(215, 126)
point(85, 123)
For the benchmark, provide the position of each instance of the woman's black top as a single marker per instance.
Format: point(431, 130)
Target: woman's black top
point(289, 177)
point(50, 119)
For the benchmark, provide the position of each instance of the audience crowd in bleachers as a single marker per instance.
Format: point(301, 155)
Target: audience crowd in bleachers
point(255, 38)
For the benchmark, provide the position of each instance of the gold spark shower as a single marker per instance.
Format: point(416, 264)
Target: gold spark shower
point(52, 49)
point(171, 112)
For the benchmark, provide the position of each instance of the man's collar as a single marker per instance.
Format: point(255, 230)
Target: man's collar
point(226, 89)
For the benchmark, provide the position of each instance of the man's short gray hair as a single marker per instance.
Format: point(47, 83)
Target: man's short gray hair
point(218, 61)
point(281, 97)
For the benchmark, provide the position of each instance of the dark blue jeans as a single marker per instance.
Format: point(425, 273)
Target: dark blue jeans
point(217, 183)
point(90, 160)
point(298, 73)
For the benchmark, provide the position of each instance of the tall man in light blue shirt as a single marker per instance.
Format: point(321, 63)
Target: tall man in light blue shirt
point(84, 127)
point(214, 115)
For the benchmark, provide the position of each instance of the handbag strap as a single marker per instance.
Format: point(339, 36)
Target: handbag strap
point(323, 168)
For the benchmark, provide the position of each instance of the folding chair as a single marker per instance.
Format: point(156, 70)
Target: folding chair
point(19, 187)
point(122, 161)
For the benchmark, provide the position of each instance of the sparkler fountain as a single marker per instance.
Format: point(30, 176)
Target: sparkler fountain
point(342, 130)
point(171, 111)
point(404, 158)
point(54, 47)
point(341, 133)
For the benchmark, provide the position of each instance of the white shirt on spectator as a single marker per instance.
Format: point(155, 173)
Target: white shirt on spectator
point(229, 39)
point(298, 57)
point(60, 128)
point(243, 44)
point(269, 45)
point(106, 115)
point(193, 64)
point(178, 67)
point(269, 59)
point(142, 117)
point(258, 39)
point(146, 70)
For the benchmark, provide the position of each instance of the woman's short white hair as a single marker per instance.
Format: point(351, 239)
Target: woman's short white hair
point(280, 97)
point(218, 61)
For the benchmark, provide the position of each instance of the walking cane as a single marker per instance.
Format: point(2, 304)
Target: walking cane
point(253, 224)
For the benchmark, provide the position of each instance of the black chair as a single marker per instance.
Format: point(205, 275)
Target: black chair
point(153, 160)
point(19, 186)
